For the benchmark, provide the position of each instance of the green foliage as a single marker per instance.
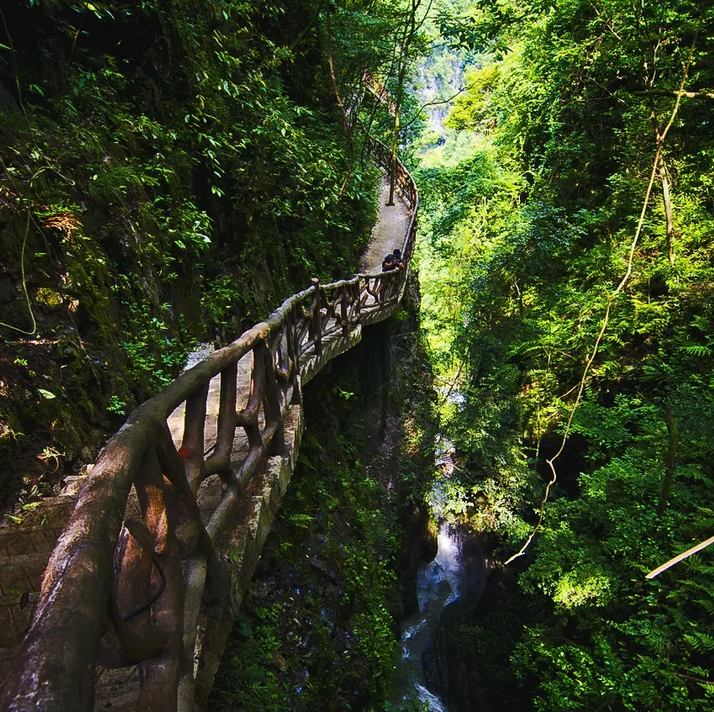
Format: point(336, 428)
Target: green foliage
point(154, 357)
point(171, 172)
point(328, 617)
point(116, 405)
point(525, 239)
point(253, 666)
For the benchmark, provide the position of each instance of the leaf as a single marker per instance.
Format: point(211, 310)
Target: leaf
point(46, 394)
point(698, 350)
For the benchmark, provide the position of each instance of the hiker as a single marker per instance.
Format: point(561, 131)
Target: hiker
point(398, 264)
point(389, 263)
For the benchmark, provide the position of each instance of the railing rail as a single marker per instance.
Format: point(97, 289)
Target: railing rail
point(138, 560)
point(379, 90)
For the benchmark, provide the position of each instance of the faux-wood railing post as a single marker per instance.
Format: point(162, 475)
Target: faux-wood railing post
point(315, 319)
point(294, 356)
point(273, 411)
point(226, 427)
point(356, 299)
point(193, 436)
point(131, 636)
point(248, 417)
point(345, 309)
point(205, 579)
point(191, 531)
point(159, 676)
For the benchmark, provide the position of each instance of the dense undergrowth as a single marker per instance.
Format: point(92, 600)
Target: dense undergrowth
point(571, 110)
point(170, 173)
point(319, 626)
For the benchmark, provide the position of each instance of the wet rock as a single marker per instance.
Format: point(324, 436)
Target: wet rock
point(450, 664)
point(450, 670)
point(420, 537)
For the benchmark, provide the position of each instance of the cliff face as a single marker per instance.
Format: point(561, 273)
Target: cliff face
point(164, 180)
point(319, 627)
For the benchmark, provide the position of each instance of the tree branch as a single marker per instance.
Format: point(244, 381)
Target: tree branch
point(691, 678)
point(333, 76)
point(680, 557)
point(703, 94)
point(432, 103)
point(310, 25)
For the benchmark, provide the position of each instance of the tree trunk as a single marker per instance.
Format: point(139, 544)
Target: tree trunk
point(395, 135)
point(669, 213)
point(664, 179)
point(410, 30)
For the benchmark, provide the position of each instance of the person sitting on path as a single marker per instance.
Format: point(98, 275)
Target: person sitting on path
point(389, 263)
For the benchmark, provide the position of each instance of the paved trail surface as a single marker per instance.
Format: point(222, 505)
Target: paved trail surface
point(387, 233)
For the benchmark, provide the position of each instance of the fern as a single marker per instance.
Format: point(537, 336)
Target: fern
point(698, 350)
point(700, 641)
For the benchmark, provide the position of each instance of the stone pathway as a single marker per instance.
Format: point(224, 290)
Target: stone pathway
point(388, 232)
point(24, 552)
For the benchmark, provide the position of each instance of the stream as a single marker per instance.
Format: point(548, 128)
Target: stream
point(458, 572)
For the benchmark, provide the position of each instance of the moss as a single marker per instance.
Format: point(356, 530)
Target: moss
point(49, 298)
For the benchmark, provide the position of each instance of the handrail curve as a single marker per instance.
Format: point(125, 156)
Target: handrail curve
point(141, 521)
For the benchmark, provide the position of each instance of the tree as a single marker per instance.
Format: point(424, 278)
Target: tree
point(574, 99)
point(407, 48)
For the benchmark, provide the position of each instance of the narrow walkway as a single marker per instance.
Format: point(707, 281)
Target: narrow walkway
point(25, 548)
point(388, 232)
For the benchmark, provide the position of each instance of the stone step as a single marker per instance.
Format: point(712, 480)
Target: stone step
point(53, 512)
point(25, 549)
point(23, 540)
point(20, 580)
point(22, 573)
point(7, 658)
point(116, 690)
